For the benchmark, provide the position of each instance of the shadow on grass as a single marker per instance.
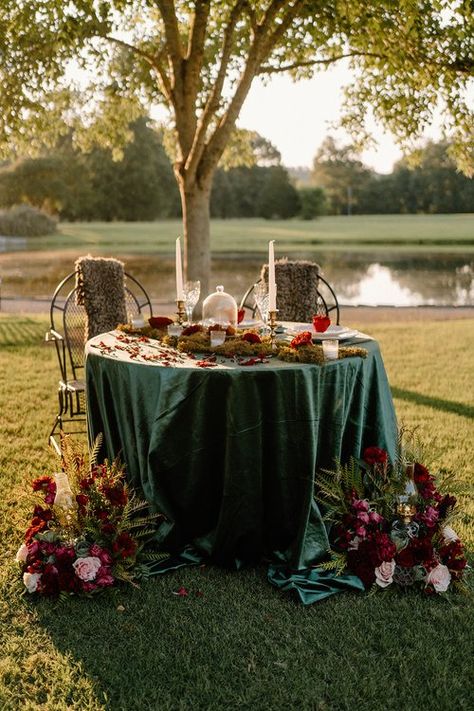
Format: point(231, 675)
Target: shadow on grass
point(458, 408)
point(22, 332)
point(233, 642)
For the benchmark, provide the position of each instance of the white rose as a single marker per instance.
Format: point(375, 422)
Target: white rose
point(87, 568)
point(449, 535)
point(31, 581)
point(384, 573)
point(22, 553)
point(439, 578)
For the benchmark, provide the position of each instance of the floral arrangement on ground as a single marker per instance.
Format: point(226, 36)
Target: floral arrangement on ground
point(390, 525)
point(89, 530)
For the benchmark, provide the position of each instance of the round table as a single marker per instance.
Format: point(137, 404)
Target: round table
point(229, 452)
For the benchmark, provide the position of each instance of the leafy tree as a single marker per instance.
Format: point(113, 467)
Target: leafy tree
point(342, 176)
point(200, 58)
point(313, 203)
point(278, 199)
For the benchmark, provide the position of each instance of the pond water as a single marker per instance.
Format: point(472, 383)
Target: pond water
point(395, 279)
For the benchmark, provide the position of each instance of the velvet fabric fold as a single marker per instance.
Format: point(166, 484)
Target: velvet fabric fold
point(229, 456)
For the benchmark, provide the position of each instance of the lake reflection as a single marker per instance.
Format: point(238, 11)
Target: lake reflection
point(404, 280)
point(376, 278)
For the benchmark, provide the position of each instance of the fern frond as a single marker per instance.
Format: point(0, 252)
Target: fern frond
point(94, 452)
point(337, 563)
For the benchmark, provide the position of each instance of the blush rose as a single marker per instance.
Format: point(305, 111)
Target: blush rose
point(87, 568)
point(384, 573)
point(439, 578)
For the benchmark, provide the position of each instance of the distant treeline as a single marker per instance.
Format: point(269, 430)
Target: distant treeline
point(141, 186)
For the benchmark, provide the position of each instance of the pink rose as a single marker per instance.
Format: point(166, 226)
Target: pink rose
point(429, 516)
point(360, 504)
point(363, 517)
point(360, 531)
point(87, 568)
point(384, 573)
point(439, 578)
point(31, 581)
point(375, 517)
point(22, 553)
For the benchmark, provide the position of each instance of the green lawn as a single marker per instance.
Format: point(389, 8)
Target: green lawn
point(242, 644)
point(445, 232)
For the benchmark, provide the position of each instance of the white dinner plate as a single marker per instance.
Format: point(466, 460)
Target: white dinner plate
point(249, 323)
point(338, 336)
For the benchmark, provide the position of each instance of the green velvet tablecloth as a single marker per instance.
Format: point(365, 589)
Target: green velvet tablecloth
point(229, 453)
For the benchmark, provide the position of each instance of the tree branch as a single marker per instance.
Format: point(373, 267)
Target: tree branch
point(311, 62)
point(136, 50)
point(213, 99)
point(192, 65)
point(173, 40)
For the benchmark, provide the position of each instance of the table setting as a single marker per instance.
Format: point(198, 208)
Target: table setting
point(223, 437)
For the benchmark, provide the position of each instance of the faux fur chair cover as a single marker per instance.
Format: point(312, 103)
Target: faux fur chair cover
point(100, 286)
point(297, 283)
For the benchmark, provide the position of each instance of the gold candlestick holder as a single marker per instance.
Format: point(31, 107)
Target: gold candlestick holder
point(272, 323)
point(181, 312)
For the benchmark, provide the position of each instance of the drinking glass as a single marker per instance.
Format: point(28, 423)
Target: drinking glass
point(260, 295)
point(192, 290)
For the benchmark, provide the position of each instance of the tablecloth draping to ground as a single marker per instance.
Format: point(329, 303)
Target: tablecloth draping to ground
point(229, 453)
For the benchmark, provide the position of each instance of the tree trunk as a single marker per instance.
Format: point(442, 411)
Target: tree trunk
point(196, 222)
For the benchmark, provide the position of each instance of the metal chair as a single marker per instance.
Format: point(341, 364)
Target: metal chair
point(68, 320)
point(325, 304)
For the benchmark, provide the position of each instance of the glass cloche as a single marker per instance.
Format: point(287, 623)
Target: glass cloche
point(220, 307)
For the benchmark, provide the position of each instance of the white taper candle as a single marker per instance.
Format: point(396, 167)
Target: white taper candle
point(179, 272)
point(271, 277)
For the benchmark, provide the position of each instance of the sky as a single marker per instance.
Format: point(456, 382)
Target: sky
point(296, 118)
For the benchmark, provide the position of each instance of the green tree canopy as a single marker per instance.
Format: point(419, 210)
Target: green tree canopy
point(200, 59)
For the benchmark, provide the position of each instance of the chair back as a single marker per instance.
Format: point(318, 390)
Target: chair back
point(69, 319)
point(302, 292)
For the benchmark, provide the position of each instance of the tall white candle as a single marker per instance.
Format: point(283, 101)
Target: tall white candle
point(179, 272)
point(271, 277)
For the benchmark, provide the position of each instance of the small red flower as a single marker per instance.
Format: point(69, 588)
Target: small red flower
point(182, 592)
point(115, 494)
point(251, 337)
point(189, 330)
point(124, 545)
point(160, 321)
point(375, 455)
point(302, 339)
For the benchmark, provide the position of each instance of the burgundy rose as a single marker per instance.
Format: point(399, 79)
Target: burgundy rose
point(452, 555)
point(424, 482)
point(124, 545)
point(108, 529)
point(251, 337)
point(385, 547)
point(405, 558)
point(423, 552)
point(42, 483)
point(360, 564)
point(375, 455)
point(115, 494)
point(82, 500)
point(446, 505)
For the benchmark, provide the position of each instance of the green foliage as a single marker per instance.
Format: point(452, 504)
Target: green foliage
point(26, 221)
point(139, 186)
point(313, 203)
